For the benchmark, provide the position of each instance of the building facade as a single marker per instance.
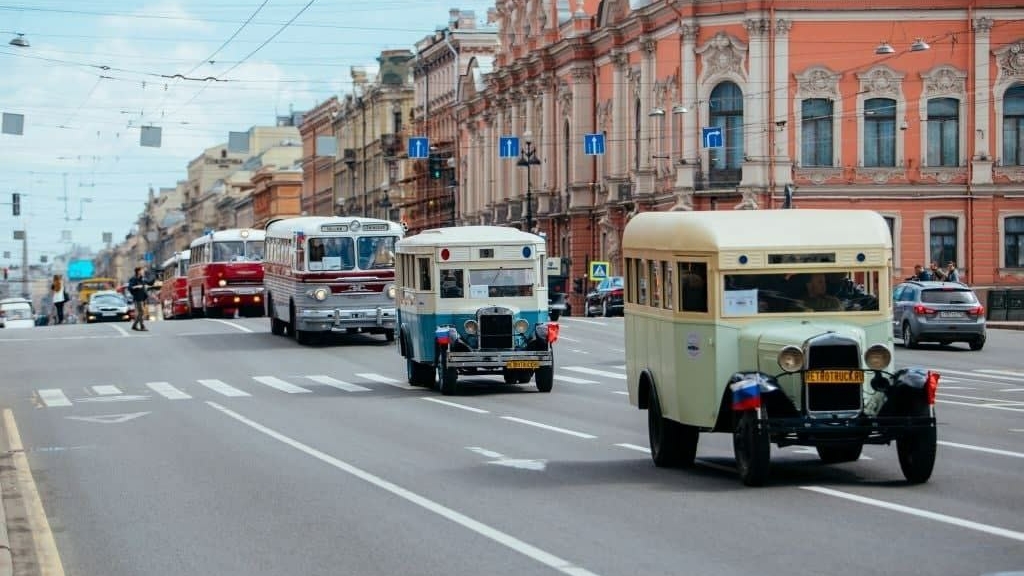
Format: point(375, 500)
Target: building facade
point(318, 163)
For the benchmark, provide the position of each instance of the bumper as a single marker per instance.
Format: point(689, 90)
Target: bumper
point(108, 317)
point(313, 320)
point(500, 359)
point(234, 297)
point(824, 431)
point(950, 331)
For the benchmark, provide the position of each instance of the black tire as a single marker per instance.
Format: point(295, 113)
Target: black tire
point(977, 344)
point(544, 377)
point(751, 445)
point(838, 453)
point(418, 374)
point(916, 451)
point(192, 311)
point(672, 444)
point(553, 315)
point(510, 376)
point(909, 340)
point(605, 310)
point(277, 326)
point(389, 335)
point(447, 378)
point(301, 336)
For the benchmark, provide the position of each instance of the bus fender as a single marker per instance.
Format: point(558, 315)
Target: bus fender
point(644, 389)
point(770, 397)
point(403, 341)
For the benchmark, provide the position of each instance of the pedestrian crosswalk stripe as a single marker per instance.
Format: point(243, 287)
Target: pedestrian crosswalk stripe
point(385, 380)
point(335, 383)
point(280, 384)
point(593, 372)
point(167, 391)
point(54, 398)
point(222, 388)
point(572, 380)
point(107, 390)
point(620, 366)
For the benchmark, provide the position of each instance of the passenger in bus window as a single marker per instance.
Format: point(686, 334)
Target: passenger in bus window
point(451, 284)
point(316, 250)
point(383, 256)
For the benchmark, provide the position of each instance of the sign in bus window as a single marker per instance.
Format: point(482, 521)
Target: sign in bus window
point(503, 282)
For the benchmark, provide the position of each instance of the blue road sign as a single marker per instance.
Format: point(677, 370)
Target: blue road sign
point(419, 147)
point(593, 144)
point(712, 137)
point(508, 146)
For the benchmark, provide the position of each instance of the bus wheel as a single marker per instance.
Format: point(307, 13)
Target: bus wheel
point(672, 443)
point(753, 450)
point(418, 374)
point(916, 451)
point(276, 325)
point(545, 378)
point(389, 335)
point(447, 378)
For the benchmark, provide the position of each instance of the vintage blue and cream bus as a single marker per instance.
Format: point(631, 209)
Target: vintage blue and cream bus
point(474, 300)
point(325, 273)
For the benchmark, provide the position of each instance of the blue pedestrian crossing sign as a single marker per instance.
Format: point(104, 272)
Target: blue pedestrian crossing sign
point(419, 147)
point(508, 146)
point(599, 270)
point(712, 137)
point(593, 144)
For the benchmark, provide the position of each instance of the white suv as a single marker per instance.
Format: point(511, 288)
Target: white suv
point(16, 313)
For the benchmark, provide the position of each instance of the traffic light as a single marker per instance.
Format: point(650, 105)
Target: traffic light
point(577, 285)
point(435, 165)
point(16, 203)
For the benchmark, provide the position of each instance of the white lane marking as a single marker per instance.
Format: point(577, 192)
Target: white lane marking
point(1016, 429)
point(959, 388)
point(1013, 390)
point(618, 349)
point(593, 372)
point(578, 351)
point(119, 329)
point(223, 388)
point(54, 398)
point(167, 391)
point(455, 405)
point(624, 393)
point(582, 321)
point(339, 384)
point(567, 339)
point(643, 449)
point(232, 324)
point(507, 540)
point(572, 380)
point(976, 374)
point(620, 366)
point(982, 449)
point(485, 452)
point(118, 398)
point(976, 405)
point(982, 398)
point(63, 338)
point(281, 385)
point(1015, 376)
point(109, 418)
point(953, 520)
point(106, 390)
point(547, 427)
point(385, 380)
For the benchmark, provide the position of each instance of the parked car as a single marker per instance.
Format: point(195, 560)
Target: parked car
point(606, 299)
point(943, 312)
point(16, 313)
point(107, 306)
point(558, 305)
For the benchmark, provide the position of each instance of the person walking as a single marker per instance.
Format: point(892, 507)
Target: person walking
point(137, 288)
point(59, 296)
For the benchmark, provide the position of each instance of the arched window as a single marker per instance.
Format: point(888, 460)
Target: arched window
point(879, 132)
point(636, 137)
point(726, 112)
point(816, 132)
point(943, 132)
point(1013, 126)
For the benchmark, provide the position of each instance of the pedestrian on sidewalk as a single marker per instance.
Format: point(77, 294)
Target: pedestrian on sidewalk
point(137, 288)
point(59, 296)
point(951, 273)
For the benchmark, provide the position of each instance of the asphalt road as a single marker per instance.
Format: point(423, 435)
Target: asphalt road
point(213, 447)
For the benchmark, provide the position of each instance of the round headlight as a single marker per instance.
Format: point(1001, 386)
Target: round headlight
point(391, 291)
point(471, 327)
point(321, 294)
point(522, 326)
point(222, 282)
point(791, 359)
point(877, 357)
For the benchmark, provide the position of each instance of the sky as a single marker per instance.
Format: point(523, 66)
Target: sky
point(98, 70)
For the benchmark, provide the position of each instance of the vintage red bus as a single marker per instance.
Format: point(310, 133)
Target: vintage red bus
point(327, 274)
point(173, 293)
point(225, 273)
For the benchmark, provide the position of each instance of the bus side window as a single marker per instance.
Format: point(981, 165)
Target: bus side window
point(666, 271)
point(424, 272)
point(451, 284)
point(693, 287)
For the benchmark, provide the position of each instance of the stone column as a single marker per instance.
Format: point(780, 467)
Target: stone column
point(515, 189)
point(647, 73)
point(616, 141)
point(581, 123)
point(783, 169)
point(755, 106)
point(489, 157)
point(981, 172)
point(499, 184)
point(550, 131)
point(686, 173)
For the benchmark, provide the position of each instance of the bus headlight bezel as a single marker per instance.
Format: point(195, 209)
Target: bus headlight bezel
point(877, 357)
point(320, 293)
point(471, 327)
point(791, 359)
point(521, 326)
point(222, 282)
point(391, 290)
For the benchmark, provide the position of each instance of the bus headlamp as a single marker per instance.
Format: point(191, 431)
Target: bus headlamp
point(391, 291)
point(791, 359)
point(522, 326)
point(222, 282)
point(471, 327)
point(877, 357)
point(320, 294)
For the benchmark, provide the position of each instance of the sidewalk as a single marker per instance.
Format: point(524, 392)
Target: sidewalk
point(1003, 325)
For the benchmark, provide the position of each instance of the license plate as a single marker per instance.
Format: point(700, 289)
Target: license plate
point(110, 313)
point(951, 314)
point(834, 376)
point(523, 364)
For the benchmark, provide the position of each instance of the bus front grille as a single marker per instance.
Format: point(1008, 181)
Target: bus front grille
point(496, 332)
point(833, 397)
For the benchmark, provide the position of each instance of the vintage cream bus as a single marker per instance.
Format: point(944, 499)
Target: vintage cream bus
point(327, 273)
point(474, 300)
point(774, 326)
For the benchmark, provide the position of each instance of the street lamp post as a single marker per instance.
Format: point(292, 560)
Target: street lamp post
point(527, 158)
point(453, 185)
point(350, 163)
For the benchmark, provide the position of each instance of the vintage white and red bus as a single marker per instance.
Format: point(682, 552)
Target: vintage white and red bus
point(225, 273)
point(173, 293)
point(326, 273)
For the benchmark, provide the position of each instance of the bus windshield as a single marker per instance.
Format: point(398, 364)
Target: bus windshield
point(502, 282)
point(752, 294)
point(333, 253)
point(376, 252)
point(238, 251)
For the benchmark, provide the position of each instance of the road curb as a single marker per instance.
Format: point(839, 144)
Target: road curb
point(1007, 326)
point(6, 559)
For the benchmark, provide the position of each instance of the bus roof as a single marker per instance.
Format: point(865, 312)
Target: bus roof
point(235, 234)
point(715, 231)
point(178, 256)
point(470, 235)
point(312, 225)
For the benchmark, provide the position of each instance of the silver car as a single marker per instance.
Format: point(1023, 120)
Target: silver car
point(943, 312)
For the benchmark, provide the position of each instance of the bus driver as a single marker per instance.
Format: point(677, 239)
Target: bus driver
point(818, 298)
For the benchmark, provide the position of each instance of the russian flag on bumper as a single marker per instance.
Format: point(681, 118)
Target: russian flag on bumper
point(746, 395)
point(442, 335)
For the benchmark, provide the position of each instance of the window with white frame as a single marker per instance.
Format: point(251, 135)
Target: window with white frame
point(816, 132)
point(1013, 242)
point(942, 233)
point(1013, 126)
point(879, 132)
point(943, 132)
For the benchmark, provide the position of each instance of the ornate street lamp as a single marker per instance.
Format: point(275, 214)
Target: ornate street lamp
point(527, 158)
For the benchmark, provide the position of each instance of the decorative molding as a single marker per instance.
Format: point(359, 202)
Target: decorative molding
point(689, 32)
point(818, 82)
point(783, 26)
point(756, 26)
point(1011, 173)
point(881, 81)
point(723, 55)
point(1010, 59)
point(944, 175)
point(620, 59)
point(582, 75)
point(649, 46)
point(565, 98)
point(944, 80)
point(982, 25)
point(605, 111)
